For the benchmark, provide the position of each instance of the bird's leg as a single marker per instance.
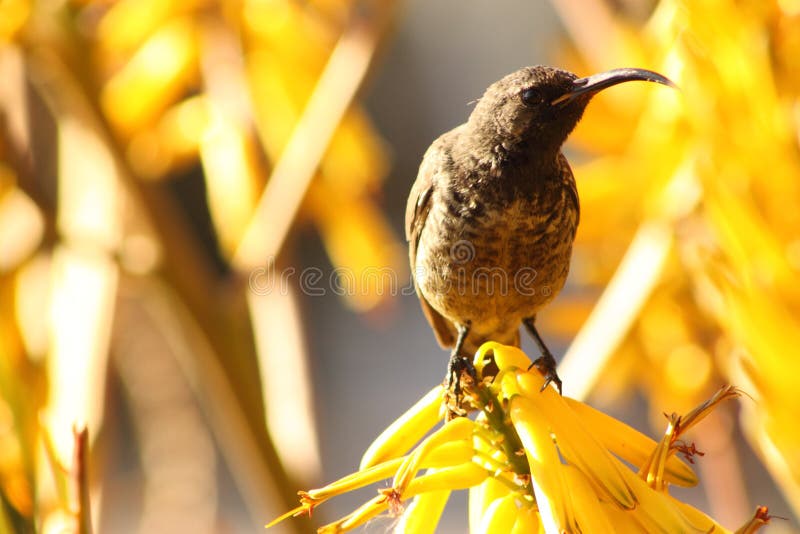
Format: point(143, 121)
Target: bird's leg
point(546, 364)
point(459, 363)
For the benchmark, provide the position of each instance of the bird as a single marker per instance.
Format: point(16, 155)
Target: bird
point(492, 215)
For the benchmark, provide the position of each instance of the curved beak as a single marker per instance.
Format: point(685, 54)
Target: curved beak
point(597, 82)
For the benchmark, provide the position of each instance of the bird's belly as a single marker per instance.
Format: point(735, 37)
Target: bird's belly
point(497, 269)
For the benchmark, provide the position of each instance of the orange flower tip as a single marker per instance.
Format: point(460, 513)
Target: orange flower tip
point(762, 514)
point(307, 499)
point(689, 451)
point(732, 392)
point(760, 518)
point(394, 500)
point(303, 509)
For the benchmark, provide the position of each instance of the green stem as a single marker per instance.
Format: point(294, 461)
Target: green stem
point(511, 444)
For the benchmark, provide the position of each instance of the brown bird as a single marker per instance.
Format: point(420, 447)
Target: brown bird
point(491, 218)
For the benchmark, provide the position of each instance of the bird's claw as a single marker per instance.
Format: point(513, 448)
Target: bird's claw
point(546, 365)
point(455, 369)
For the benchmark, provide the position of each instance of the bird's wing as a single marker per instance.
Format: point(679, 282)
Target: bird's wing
point(417, 209)
point(572, 188)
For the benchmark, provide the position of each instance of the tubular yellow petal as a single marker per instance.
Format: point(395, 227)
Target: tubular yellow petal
point(653, 470)
point(356, 480)
point(698, 518)
point(449, 478)
point(500, 516)
point(589, 514)
point(359, 516)
point(759, 520)
point(422, 515)
point(496, 462)
point(630, 444)
point(548, 486)
point(506, 357)
point(408, 429)
point(576, 444)
point(449, 454)
point(695, 416)
point(625, 520)
point(509, 386)
point(657, 510)
point(294, 512)
point(527, 522)
point(454, 430)
point(481, 497)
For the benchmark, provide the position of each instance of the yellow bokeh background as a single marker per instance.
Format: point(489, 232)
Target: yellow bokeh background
point(159, 159)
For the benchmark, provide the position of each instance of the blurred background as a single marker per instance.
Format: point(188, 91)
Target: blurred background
point(204, 298)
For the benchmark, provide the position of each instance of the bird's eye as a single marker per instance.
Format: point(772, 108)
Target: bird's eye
point(530, 97)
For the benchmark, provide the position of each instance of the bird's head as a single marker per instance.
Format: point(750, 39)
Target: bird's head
point(542, 105)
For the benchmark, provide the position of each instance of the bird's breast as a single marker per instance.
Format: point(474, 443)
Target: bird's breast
point(486, 258)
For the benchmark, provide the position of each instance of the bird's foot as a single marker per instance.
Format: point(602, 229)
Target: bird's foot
point(460, 373)
point(546, 365)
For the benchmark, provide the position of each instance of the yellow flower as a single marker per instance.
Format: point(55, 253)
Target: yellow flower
point(532, 461)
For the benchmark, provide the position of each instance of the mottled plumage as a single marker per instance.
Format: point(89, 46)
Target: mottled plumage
point(493, 213)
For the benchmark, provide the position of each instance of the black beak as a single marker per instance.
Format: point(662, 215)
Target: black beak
point(597, 82)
